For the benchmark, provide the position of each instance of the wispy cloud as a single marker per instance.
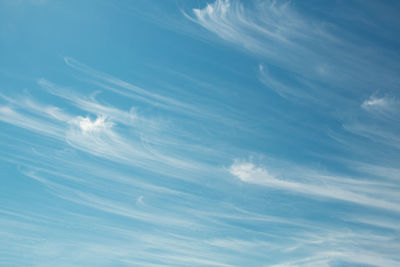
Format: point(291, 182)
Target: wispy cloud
point(384, 107)
point(100, 133)
point(97, 125)
point(375, 102)
point(319, 185)
point(125, 88)
point(377, 120)
point(128, 143)
point(306, 46)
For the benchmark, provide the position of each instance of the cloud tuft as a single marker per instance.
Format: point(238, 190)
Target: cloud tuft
point(98, 125)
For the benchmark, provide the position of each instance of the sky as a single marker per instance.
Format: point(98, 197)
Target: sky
point(199, 133)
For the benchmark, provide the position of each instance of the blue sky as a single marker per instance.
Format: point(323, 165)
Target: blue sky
point(195, 133)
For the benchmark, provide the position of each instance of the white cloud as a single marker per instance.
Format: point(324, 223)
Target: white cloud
point(232, 22)
point(322, 51)
point(269, 28)
point(124, 88)
point(375, 102)
point(345, 189)
point(378, 122)
point(248, 172)
point(32, 123)
point(383, 105)
point(140, 201)
point(97, 125)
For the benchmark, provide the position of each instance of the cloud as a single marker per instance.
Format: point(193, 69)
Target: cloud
point(268, 28)
point(277, 33)
point(248, 172)
point(30, 122)
point(300, 43)
point(374, 102)
point(381, 105)
point(140, 201)
point(98, 125)
point(291, 91)
point(319, 185)
point(124, 88)
point(378, 121)
point(110, 133)
point(167, 100)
